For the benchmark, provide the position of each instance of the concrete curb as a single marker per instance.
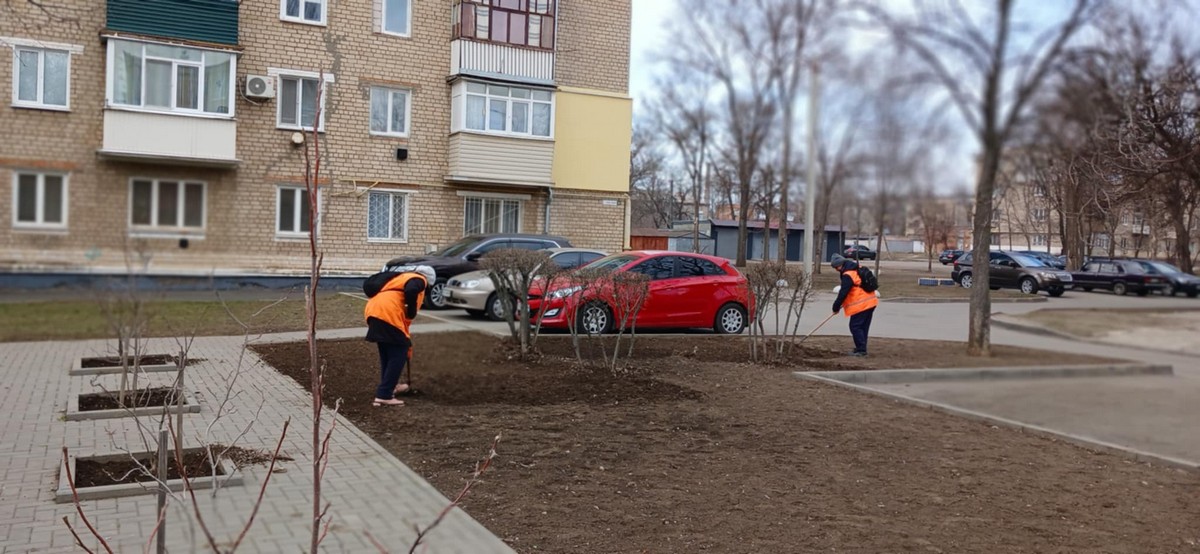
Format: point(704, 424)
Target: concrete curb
point(230, 477)
point(889, 376)
point(190, 406)
point(918, 300)
point(1085, 442)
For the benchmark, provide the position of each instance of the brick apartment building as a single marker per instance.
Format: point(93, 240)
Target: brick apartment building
point(175, 129)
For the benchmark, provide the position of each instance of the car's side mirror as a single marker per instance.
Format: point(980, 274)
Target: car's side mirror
point(474, 257)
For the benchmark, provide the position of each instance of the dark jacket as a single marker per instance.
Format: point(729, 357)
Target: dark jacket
point(847, 284)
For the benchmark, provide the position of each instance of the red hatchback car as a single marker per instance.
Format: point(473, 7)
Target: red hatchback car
point(686, 291)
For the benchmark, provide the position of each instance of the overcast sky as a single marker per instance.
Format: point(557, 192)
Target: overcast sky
point(648, 35)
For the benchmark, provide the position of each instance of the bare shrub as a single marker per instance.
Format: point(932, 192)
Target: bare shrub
point(513, 271)
point(780, 291)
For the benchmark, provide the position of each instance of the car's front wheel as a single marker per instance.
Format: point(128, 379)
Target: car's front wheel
point(966, 281)
point(730, 320)
point(594, 319)
point(495, 308)
point(1120, 289)
point(1029, 286)
point(435, 297)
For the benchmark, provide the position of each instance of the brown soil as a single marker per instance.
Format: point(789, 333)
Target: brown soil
point(140, 398)
point(112, 361)
point(92, 473)
point(245, 457)
point(694, 450)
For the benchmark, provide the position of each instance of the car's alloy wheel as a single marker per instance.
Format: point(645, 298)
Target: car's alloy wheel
point(594, 319)
point(1028, 286)
point(436, 296)
point(1119, 289)
point(1170, 291)
point(731, 320)
point(966, 281)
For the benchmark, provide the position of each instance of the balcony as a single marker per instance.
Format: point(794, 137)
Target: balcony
point(501, 61)
point(480, 158)
point(164, 138)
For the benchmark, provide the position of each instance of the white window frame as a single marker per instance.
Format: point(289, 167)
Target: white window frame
point(154, 229)
point(383, 11)
point(40, 224)
point(296, 235)
point(458, 119)
point(501, 199)
point(279, 75)
point(1040, 214)
point(407, 111)
point(283, 15)
point(40, 102)
point(391, 205)
point(110, 74)
point(1039, 240)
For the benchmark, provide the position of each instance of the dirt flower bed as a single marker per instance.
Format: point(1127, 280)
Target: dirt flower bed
point(140, 398)
point(93, 473)
point(694, 450)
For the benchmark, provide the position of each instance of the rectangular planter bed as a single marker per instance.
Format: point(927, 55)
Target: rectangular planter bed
point(74, 413)
point(107, 365)
point(227, 474)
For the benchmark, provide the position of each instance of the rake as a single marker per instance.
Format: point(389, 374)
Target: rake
point(817, 328)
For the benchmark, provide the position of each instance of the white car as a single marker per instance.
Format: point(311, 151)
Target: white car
point(475, 292)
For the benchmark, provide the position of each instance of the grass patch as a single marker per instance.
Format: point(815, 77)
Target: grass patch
point(1099, 323)
point(896, 283)
point(84, 319)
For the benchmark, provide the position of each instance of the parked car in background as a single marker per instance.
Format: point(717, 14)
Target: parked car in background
point(463, 256)
point(1013, 270)
point(475, 292)
point(687, 291)
point(947, 257)
point(859, 252)
point(1178, 281)
point(1121, 276)
point(1046, 258)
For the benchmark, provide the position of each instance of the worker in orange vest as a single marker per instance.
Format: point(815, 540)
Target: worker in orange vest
point(394, 295)
point(858, 303)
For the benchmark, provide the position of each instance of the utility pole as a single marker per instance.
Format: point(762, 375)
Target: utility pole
point(810, 188)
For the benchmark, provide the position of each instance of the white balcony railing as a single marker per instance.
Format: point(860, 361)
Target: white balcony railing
point(134, 135)
point(471, 57)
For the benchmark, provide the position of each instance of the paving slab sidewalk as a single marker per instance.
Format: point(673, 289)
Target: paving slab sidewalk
point(367, 488)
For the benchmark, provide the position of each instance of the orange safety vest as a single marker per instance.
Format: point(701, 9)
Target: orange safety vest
point(858, 300)
point(388, 305)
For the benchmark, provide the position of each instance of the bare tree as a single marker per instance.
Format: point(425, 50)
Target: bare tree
point(726, 41)
point(952, 41)
point(685, 117)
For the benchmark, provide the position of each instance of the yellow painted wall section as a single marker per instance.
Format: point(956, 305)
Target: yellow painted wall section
point(592, 133)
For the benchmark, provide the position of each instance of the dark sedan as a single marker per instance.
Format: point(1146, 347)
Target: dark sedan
point(1119, 276)
point(1178, 281)
point(1046, 258)
point(947, 257)
point(859, 252)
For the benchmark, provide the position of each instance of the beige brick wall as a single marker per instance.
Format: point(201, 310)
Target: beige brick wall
point(241, 203)
point(593, 44)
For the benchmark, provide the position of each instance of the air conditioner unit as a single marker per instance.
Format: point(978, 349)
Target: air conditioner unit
point(259, 86)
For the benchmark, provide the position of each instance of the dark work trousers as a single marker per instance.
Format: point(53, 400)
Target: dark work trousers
point(860, 325)
point(392, 358)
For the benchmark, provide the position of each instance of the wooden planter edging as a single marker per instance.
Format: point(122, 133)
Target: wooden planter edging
point(78, 369)
point(231, 477)
point(190, 406)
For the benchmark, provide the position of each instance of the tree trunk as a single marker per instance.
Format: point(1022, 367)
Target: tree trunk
point(979, 333)
point(743, 213)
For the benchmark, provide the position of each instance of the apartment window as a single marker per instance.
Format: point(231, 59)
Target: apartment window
point(1139, 219)
point(1101, 241)
point(389, 111)
point(387, 217)
point(41, 78)
point(518, 22)
point(996, 239)
point(39, 200)
point(293, 212)
point(1039, 240)
point(1124, 243)
point(1039, 214)
point(1039, 191)
point(509, 110)
point(160, 205)
point(397, 17)
point(170, 78)
point(297, 100)
point(491, 215)
point(303, 11)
